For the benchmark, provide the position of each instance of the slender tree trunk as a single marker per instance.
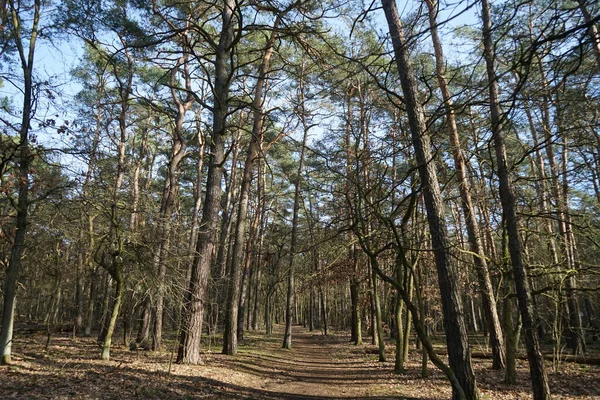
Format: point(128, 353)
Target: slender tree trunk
point(287, 337)
point(409, 285)
point(510, 375)
point(86, 225)
point(170, 192)
point(539, 379)
point(194, 298)
point(26, 54)
point(246, 281)
point(106, 304)
point(143, 334)
point(423, 314)
point(268, 311)
point(399, 360)
point(474, 236)
point(261, 229)
point(51, 318)
point(378, 328)
point(198, 185)
point(324, 319)
point(113, 317)
point(91, 300)
point(233, 298)
point(111, 254)
point(456, 333)
point(355, 298)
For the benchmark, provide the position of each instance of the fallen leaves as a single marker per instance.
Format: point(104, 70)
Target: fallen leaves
point(316, 367)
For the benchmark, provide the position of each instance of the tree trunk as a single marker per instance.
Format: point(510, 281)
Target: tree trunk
point(91, 301)
point(143, 334)
point(170, 192)
point(474, 235)
point(378, 329)
point(423, 313)
point(84, 251)
point(220, 269)
point(409, 285)
point(269, 311)
point(248, 275)
point(114, 314)
point(324, 319)
point(399, 360)
point(194, 298)
point(106, 305)
point(197, 186)
point(510, 374)
point(539, 380)
point(235, 274)
point(26, 55)
point(456, 334)
point(261, 229)
point(245, 282)
point(355, 299)
point(287, 337)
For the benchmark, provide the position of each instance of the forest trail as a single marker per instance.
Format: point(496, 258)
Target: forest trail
point(317, 367)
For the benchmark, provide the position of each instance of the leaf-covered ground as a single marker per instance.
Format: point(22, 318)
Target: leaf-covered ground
point(317, 367)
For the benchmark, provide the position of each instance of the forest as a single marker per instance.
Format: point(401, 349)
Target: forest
point(196, 190)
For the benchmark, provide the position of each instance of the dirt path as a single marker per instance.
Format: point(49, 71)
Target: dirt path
point(317, 367)
point(331, 368)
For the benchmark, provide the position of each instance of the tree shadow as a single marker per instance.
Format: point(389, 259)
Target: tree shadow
point(80, 379)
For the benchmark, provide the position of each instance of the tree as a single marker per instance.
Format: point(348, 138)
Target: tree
point(486, 289)
point(304, 116)
point(183, 103)
point(233, 290)
point(456, 335)
point(25, 40)
point(539, 380)
point(193, 304)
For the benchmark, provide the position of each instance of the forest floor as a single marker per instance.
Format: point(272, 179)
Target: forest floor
point(317, 367)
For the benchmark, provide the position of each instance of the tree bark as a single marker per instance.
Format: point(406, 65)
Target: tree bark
point(193, 303)
point(261, 230)
point(510, 374)
point(473, 233)
point(459, 356)
point(399, 359)
point(539, 379)
point(287, 337)
point(233, 298)
point(355, 298)
point(26, 55)
point(378, 328)
point(114, 315)
point(170, 192)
